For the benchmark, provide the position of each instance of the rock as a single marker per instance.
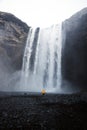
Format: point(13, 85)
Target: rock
point(74, 51)
point(13, 34)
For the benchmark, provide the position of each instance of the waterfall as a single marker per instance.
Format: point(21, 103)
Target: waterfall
point(27, 53)
point(42, 60)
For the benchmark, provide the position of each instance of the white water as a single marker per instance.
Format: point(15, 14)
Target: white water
point(42, 60)
point(28, 51)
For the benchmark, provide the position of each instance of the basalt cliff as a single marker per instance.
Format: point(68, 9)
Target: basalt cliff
point(13, 33)
point(74, 49)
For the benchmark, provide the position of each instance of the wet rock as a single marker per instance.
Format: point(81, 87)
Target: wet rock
point(74, 56)
point(13, 33)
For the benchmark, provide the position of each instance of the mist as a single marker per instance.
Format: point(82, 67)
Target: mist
point(8, 76)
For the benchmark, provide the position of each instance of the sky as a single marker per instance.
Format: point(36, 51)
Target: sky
point(42, 13)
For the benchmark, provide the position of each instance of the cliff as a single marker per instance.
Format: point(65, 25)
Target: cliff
point(74, 57)
point(13, 33)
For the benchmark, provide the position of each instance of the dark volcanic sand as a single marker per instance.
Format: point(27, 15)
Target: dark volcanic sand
point(48, 112)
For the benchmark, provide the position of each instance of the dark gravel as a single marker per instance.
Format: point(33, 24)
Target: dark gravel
point(48, 112)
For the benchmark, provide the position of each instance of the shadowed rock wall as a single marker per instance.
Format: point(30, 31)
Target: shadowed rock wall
point(74, 57)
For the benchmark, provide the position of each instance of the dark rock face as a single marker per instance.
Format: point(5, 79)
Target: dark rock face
point(74, 58)
point(13, 34)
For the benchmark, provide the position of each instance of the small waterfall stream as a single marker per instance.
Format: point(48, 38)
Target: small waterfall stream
point(42, 60)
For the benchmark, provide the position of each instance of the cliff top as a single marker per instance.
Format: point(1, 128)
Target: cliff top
point(11, 18)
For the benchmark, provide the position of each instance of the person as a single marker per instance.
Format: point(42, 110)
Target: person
point(43, 92)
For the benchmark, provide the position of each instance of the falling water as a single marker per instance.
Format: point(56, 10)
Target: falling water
point(27, 53)
point(42, 60)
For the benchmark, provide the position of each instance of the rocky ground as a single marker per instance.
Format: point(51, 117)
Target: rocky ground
point(43, 112)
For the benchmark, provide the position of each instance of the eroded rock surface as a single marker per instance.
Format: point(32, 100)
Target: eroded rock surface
point(13, 33)
point(74, 59)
